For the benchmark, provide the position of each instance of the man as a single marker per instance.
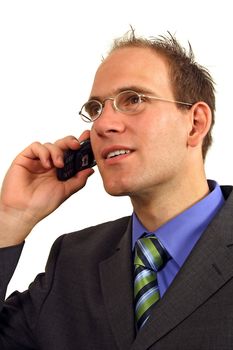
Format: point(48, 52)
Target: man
point(152, 111)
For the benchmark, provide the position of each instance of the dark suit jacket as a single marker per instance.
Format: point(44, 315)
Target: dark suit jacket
point(85, 298)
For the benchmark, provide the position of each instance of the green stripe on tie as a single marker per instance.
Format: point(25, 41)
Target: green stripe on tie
point(146, 305)
point(139, 284)
point(149, 257)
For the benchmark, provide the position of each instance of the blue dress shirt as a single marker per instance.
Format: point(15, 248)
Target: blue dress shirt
point(180, 234)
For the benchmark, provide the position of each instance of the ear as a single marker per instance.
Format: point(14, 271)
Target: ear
point(200, 119)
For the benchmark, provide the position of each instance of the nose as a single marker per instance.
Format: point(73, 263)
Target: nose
point(110, 120)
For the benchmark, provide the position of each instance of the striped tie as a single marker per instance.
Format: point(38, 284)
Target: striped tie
point(149, 258)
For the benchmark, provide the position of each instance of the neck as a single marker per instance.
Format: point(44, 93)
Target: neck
point(159, 205)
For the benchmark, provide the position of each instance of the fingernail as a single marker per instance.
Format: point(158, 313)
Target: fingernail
point(60, 160)
point(48, 163)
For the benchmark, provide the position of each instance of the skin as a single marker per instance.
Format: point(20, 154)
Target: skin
point(31, 191)
point(163, 174)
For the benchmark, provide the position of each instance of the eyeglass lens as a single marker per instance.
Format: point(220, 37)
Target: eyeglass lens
point(126, 101)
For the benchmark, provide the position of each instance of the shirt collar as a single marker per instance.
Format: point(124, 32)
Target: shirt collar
point(180, 234)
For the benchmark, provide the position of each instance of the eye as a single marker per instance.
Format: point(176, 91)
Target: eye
point(93, 108)
point(128, 100)
point(134, 99)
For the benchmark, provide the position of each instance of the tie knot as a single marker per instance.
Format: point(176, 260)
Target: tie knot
point(150, 254)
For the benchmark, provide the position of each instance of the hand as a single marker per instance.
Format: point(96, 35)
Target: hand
point(31, 190)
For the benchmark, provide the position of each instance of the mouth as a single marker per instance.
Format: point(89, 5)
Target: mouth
point(115, 151)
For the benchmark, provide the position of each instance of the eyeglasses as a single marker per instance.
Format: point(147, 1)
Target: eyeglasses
point(129, 102)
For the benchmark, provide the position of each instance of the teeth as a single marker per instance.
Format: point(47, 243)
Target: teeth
point(117, 153)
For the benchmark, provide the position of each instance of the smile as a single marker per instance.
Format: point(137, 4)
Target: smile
point(117, 153)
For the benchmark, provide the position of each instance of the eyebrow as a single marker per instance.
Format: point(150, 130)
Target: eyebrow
point(135, 88)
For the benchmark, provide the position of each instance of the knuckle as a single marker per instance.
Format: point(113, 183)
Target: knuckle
point(35, 144)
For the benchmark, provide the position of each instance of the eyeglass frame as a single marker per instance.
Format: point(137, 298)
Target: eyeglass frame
point(113, 99)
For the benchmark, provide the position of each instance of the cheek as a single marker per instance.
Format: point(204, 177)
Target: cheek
point(94, 142)
point(169, 127)
point(165, 139)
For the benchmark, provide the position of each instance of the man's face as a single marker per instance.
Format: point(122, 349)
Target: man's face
point(155, 139)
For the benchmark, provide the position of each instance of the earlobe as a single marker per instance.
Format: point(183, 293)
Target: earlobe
point(200, 118)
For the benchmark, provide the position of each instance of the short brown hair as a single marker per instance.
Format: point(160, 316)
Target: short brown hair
point(190, 81)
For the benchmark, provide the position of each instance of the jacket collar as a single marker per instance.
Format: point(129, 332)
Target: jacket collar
point(117, 287)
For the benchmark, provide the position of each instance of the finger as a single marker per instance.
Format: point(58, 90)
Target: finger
point(78, 181)
point(56, 154)
point(68, 142)
point(34, 152)
point(84, 136)
point(71, 141)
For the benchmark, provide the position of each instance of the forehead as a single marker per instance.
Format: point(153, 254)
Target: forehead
point(132, 66)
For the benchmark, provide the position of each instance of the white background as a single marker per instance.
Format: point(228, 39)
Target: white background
point(49, 51)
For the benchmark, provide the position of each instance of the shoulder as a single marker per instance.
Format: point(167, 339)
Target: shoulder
point(103, 238)
point(104, 227)
point(111, 231)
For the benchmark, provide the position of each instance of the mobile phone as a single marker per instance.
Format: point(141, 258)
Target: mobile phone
point(76, 160)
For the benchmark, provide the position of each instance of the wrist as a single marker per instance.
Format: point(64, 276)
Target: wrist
point(15, 225)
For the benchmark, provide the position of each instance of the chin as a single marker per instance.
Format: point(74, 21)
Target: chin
point(117, 189)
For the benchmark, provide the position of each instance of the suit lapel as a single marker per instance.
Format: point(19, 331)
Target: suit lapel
point(208, 267)
point(116, 283)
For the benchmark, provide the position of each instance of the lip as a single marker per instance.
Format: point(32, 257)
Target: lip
point(115, 148)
